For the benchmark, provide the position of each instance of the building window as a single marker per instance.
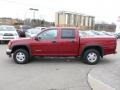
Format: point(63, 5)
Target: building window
point(66, 18)
point(90, 21)
point(71, 19)
point(86, 21)
point(75, 21)
point(82, 20)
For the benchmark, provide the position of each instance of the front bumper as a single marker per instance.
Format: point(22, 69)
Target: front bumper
point(7, 38)
point(9, 52)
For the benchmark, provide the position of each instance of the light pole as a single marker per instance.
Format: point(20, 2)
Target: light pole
point(33, 9)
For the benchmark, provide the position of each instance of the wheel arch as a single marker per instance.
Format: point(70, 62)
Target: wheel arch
point(27, 48)
point(96, 47)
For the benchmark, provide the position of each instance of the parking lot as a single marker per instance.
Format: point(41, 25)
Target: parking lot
point(48, 73)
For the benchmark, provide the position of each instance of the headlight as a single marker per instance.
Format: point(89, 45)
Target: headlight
point(1, 34)
point(16, 34)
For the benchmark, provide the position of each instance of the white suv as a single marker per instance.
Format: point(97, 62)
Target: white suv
point(32, 32)
point(8, 32)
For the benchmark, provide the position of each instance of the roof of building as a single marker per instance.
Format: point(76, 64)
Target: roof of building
point(68, 12)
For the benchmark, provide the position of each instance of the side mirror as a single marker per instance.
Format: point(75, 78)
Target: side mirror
point(36, 38)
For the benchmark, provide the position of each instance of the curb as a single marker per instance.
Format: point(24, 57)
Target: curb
point(96, 84)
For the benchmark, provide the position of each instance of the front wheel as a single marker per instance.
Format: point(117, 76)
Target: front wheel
point(91, 56)
point(21, 56)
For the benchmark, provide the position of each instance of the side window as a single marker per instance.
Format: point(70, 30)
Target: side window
point(68, 33)
point(48, 35)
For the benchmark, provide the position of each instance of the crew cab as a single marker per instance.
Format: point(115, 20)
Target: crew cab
point(62, 42)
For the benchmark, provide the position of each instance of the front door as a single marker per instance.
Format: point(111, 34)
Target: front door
point(46, 45)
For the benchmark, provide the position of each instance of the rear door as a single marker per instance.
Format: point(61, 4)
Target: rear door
point(68, 44)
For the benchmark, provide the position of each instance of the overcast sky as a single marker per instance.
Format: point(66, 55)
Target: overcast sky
point(103, 10)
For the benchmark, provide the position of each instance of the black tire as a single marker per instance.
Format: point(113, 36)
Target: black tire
point(91, 56)
point(1, 42)
point(24, 56)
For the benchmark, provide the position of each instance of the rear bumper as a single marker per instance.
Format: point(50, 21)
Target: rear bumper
point(9, 52)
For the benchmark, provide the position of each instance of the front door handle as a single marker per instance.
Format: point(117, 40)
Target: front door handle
point(54, 41)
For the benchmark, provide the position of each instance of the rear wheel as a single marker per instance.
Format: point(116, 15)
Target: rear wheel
point(91, 56)
point(21, 56)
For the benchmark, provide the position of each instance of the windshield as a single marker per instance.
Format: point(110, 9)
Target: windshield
point(7, 28)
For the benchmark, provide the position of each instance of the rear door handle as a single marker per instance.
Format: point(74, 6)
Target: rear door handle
point(73, 41)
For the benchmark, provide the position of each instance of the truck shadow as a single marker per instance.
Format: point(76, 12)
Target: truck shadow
point(54, 59)
point(105, 61)
point(66, 60)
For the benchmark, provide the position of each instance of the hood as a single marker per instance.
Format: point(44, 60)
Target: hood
point(21, 40)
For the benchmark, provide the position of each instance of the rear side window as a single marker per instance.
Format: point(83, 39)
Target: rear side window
point(68, 34)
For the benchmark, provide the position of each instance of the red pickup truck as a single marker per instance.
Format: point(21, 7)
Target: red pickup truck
point(61, 41)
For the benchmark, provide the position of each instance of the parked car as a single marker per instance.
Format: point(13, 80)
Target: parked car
point(32, 32)
point(103, 33)
point(41, 28)
point(107, 33)
point(8, 32)
point(86, 33)
point(22, 30)
point(99, 33)
point(111, 34)
point(61, 41)
point(118, 35)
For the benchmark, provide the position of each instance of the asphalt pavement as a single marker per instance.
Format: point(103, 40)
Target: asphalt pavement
point(47, 73)
point(107, 77)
